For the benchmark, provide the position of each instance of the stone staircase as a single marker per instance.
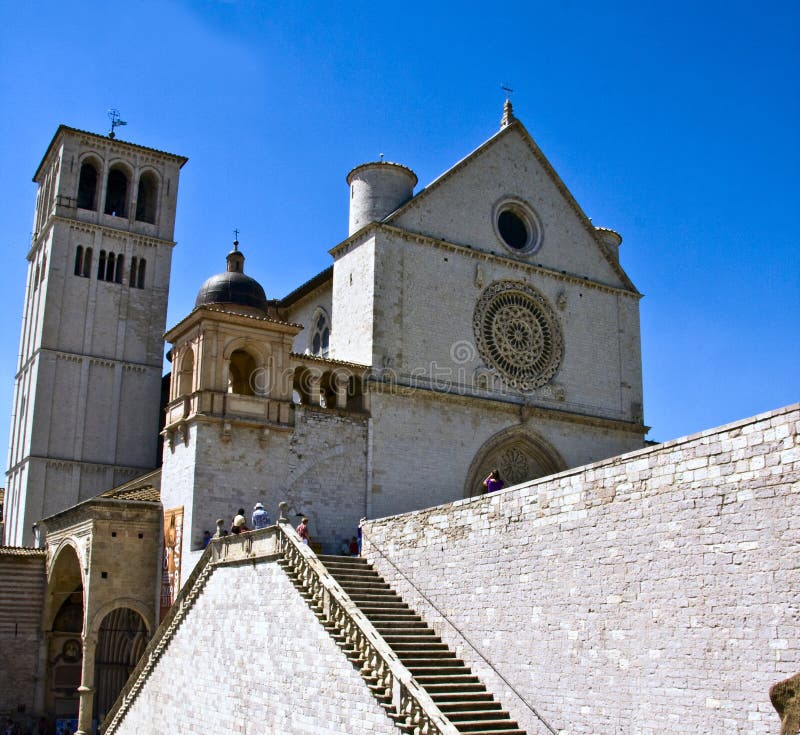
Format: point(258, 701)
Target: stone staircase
point(458, 693)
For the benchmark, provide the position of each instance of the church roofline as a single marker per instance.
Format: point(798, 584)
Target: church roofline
point(329, 361)
point(306, 288)
point(516, 125)
point(63, 129)
point(199, 312)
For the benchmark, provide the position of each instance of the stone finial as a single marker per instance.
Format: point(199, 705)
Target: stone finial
point(284, 507)
point(785, 698)
point(508, 114)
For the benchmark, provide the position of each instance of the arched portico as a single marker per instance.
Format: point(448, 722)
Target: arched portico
point(121, 639)
point(518, 453)
point(63, 639)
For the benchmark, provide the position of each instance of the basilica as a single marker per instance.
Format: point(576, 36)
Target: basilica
point(481, 322)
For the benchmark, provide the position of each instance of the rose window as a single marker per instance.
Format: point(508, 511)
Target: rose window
point(518, 334)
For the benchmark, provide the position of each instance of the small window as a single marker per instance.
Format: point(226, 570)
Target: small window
point(140, 275)
point(132, 277)
point(118, 269)
point(36, 278)
point(87, 187)
point(513, 229)
point(110, 259)
point(87, 263)
point(146, 198)
point(101, 266)
point(517, 226)
point(117, 193)
point(79, 260)
point(321, 336)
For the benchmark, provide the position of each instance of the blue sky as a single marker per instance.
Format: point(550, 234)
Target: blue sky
point(674, 123)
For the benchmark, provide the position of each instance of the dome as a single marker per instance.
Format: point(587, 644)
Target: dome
point(233, 286)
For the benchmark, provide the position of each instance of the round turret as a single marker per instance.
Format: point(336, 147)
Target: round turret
point(611, 238)
point(376, 190)
point(233, 287)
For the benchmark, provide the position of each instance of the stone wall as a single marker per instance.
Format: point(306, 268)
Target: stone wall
point(280, 671)
point(653, 592)
point(22, 587)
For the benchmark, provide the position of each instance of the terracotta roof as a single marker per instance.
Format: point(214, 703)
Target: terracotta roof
point(145, 493)
point(328, 361)
point(21, 551)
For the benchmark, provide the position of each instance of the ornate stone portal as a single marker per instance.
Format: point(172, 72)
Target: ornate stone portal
point(519, 455)
point(518, 334)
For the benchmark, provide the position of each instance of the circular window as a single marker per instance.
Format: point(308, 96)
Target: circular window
point(518, 334)
point(517, 226)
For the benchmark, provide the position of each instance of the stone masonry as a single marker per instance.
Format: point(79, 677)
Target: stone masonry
point(282, 674)
point(649, 593)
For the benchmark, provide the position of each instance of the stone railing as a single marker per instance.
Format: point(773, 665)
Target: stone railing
point(411, 704)
point(226, 550)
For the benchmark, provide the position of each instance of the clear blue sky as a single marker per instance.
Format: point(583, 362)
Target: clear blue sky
point(675, 123)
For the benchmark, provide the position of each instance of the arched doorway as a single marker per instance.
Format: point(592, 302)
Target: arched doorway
point(121, 641)
point(520, 455)
point(65, 606)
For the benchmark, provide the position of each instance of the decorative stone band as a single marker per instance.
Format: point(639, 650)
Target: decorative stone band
point(380, 666)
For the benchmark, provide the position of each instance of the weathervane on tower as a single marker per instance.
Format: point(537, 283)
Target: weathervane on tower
point(116, 121)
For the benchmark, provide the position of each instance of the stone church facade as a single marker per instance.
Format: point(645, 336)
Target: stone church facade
point(482, 322)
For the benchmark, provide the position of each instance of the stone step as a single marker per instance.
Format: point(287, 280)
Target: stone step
point(469, 703)
point(473, 715)
point(401, 624)
point(457, 679)
point(421, 672)
point(410, 639)
point(421, 650)
point(448, 698)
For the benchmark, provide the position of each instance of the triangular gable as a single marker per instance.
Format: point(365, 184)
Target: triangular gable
point(458, 205)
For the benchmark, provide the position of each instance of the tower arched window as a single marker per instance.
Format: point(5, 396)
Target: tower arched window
point(87, 263)
point(110, 261)
point(118, 268)
point(146, 198)
point(186, 375)
point(117, 193)
point(319, 342)
point(79, 260)
point(241, 373)
point(136, 277)
point(87, 187)
point(101, 266)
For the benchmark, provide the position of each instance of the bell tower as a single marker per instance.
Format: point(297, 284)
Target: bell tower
point(86, 401)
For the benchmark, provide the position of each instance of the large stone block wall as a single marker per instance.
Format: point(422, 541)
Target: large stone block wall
point(254, 659)
point(22, 587)
point(319, 468)
point(649, 593)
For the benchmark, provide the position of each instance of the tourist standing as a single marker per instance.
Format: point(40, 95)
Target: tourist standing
point(239, 524)
point(260, 517)
point(302, 531)
point(493, 482)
